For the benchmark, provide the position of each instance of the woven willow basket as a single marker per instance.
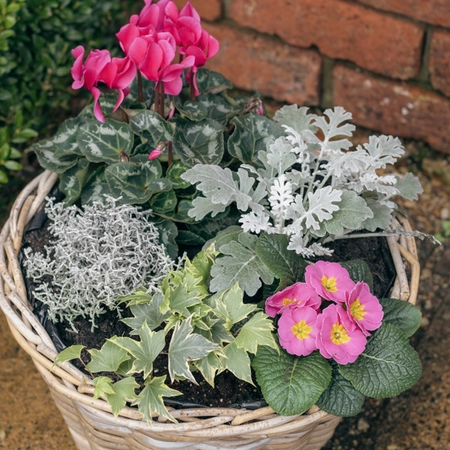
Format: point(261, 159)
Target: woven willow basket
point(90, 421)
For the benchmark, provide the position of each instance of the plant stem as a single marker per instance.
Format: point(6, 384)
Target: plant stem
point(140, 92)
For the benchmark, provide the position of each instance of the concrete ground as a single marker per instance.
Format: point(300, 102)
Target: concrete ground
point(417, 420)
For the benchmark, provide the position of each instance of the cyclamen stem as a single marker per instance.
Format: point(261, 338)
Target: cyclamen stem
point(140, 92)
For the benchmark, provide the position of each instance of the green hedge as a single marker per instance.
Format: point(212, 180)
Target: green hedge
point(36, 37)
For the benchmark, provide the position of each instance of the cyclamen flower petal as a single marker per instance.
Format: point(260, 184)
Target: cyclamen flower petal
point(297, 330)
point(154, 154)
point(330, 280)
point(299, 294)
point(364, 308)
point(338, 337)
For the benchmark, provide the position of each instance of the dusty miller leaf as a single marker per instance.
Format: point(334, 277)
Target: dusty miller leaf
point(409, 186)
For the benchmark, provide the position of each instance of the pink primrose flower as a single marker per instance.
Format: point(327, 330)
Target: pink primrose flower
point(364, 308)
point(298, 294)
point(297, 330)
point(338, 336)
point(330, 280)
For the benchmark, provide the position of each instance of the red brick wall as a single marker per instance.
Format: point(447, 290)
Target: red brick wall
point(385, 61)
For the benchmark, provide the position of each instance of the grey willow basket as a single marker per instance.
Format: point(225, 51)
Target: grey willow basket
point(90, 421)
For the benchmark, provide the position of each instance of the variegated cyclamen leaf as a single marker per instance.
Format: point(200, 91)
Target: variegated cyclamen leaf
point(174, 172)
point(46, 157)
point(210, 81)
point(96, 187)
point(219, 108)
point(199, 142)
point(186, 346)
point(145, 351)
point(252, 133)
point(105, 142)
point(164, 202)
point(152, 127)
point(194, 111)
point(72, 181)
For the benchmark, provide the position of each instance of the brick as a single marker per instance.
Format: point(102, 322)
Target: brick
point(392, 107)
point(440, 61)
point(373, 40)
point(264, 64)
point(436, 12)
point(209, 10)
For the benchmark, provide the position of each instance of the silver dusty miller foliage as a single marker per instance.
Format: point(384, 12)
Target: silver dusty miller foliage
point(309, 184)
point(99, 254)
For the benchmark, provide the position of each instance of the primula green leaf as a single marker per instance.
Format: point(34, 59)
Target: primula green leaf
point(240, 264)
point(152, 127)
point(251, 134)
point(340, 398)
point(405, 316)
point(255, 332)
point(108, 358)
point(284, 264)
point(186, 346)
point(230, 307)
point(290, 384)
point(123, 390)
point(238, 362)
point(69, 353)
point(150, 400)
point(103, 386)
point(387, 367)
point(359, 270)
point(105, 142)
point(145, 351)
point(199, 142)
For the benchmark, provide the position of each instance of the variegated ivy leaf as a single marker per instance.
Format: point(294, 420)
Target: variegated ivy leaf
point(240, 264)
point(237, 361)
point(210, 81)
point(296, 118)
point(150, 400)
point(151, 126)
point(252, 133)
point(103, 386)
point(186, 346)
point(208, 367)
point(69, 353)
point(194, 111)
point(199, 142)
point(255, 332)
point(108, 142)
point(145, 351)
point(137, 180)
point(333, 128)
point(123, 390)
point(409, 186)
point(72, 181)
point(107, 359)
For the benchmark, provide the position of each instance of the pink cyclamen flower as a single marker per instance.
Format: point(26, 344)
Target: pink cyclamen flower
point(298, 294)
point(364, 308)
point(330, 280)
point(338, 337)
point(297, 330)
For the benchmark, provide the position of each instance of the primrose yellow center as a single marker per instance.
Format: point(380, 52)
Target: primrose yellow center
point(357, 310)
point(339, 335)
point(301, 330)
point(329, 283)
point(288, 301)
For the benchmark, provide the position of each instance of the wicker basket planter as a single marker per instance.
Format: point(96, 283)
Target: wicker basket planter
point(90, 420)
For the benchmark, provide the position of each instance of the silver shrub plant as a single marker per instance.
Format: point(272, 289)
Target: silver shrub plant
point(99, 254)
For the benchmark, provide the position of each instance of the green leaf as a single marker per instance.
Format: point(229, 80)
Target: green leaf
point(405, 316)
point(103, 386)
point(296, 118)
point(168, 233)
point(72, 181)
point(69, 353)
point(194, 111)
point(150, 400)
point(13, 165)
point(224, 237)
point(252, 133)
point(237, 361)
point(199, 142)
point(186, 237)
point(122, 390)
point(208, 367)
point(174, 172)
point(284, 264)
point(382, 215)
point(144, 351)
point(387, 367)
point(255, 332)
point(340, 398)
point(152, 127)
point(164, 202)
point(210, 81)
point(105, 142)
point(409, 186)
point(186, 346)
point(108, 358)
point(240, 264)
point(359, 270)
point(290, 384)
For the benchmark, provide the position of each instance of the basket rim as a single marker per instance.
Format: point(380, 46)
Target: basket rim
point(66, 379)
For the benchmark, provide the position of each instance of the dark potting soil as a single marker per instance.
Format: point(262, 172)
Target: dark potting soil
point(228, 390)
